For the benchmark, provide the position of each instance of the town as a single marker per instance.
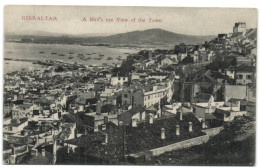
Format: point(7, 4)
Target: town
point(157, 101)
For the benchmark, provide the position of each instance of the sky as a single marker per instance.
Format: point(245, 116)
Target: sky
point(191, 21)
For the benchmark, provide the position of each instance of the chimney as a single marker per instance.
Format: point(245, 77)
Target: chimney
point(105, 140)
point(238, 104)
point(105, 119)
point(150, 118)
point(217, 105)
point(190, 126)
point(37, 140)
point(86, 131)
point(54, 149)
point(96, 127)
point(162, 133)
point(68, 149)
point(203, 124)
point(76, 134)
point(14, 151)
point(43, 152)
point(103, 127)
point(134, 122)
point(180, 116)
point(177, 130)
point(40, 127)
point(12, 159)
point(121, 123)
point(188, 104)
point(15, 97)
point(60, 124)
point(35, 152)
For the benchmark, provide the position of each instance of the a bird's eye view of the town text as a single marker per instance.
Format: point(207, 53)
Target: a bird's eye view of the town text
point(104, 85)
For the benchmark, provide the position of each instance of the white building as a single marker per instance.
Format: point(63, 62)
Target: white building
point(118, 80)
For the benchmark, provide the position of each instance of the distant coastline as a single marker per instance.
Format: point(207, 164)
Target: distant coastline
point(123, 46)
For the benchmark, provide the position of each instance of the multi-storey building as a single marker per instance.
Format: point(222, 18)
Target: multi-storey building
point(150, 94)
point(240, 27)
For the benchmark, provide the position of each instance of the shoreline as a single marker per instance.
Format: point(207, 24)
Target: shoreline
point(116, 46)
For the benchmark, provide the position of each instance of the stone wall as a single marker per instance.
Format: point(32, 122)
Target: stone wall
point(180, 145)
point(213, 131)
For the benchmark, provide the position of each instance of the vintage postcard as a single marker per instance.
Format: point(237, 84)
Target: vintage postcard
point(104, 85)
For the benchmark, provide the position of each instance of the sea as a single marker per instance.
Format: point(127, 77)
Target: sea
point(60, 52)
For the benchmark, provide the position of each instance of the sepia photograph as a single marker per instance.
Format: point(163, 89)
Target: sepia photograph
point(129, 85)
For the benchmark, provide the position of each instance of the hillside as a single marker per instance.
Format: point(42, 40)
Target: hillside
point(151, 36)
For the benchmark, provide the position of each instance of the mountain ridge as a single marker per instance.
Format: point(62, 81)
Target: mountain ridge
point(148, 36)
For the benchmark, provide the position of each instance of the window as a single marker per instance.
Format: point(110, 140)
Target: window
point(123, 78)
point(10, 128)
point(240, 76)
point(248, 76)
point(119, 78)
point(125, 95)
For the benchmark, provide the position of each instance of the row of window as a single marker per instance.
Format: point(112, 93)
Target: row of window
point(119, 78)
point(148, 104)
point(157, 95)
point(241, 76)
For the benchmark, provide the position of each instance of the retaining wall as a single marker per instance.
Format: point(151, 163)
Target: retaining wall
point(213, 131)
point(180, 145)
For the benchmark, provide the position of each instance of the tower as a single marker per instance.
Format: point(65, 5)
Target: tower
point(240, 27)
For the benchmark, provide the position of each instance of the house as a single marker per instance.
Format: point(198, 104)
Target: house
point(204, 98)
point(15, 125)
point(185, 109)
point(145, 96)
point(245, 75)
point(209, 82)
point(236, 92)
point(157, 75)
point(181, 56)
point(168, 61)
point(155, 110)
point(108, 92)
point(244, 60)
point(149, 94)
point(138, 76)
point(25, 110)
point(230, 71)
point(109, 109)
point(84, 99)
point(136, 113)
point(93, 121)
point(228, 116)
point(109, 145)
point(209, 111)
point(171, 108)
point(118, 80)
point(67, 131)
point(148, 63)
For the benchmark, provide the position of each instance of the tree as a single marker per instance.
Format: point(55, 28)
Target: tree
point(59, 69)
point(181, 48)
point(187, 60)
